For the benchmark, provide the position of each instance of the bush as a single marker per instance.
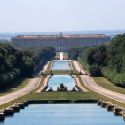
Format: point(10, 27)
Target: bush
point(9, 77)
point(117, 78)
point(95, 71)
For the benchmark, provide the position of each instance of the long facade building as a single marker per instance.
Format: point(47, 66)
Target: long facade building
point(60, 42)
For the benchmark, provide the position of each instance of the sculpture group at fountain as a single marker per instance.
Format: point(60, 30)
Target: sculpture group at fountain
point(61, 88)
point(50, 90)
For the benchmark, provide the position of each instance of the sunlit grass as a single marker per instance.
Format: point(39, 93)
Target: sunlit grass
point(103, 82)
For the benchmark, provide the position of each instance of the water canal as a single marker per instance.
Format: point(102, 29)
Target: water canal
point(61, 65)
point(63, 114)
point(66, 80)
point(56, 80)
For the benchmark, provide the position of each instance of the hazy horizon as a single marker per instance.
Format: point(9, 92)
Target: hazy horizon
point(114, 30)
point(61, 15)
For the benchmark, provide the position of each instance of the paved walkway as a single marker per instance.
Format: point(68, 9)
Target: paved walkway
point(79, 84)
point(45, 84)
point(45, 67)
point(77, 67)
point(91, 84)
point(32, 85)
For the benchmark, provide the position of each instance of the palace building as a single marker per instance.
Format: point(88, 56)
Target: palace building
point(60, 42)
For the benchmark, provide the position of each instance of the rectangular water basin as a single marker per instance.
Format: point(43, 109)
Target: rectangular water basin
point(56, 80)
point(63, 114)
point(61, 65)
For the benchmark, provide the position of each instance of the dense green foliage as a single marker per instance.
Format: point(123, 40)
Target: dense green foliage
point(107, 60)
point(40, 55)
point(15, 63)
point(74, 53)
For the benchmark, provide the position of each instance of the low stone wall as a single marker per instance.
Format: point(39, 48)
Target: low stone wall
point(9, 111)
point(60, 101)
point(117, 110)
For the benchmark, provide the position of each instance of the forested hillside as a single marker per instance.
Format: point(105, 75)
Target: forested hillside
point(15, 63)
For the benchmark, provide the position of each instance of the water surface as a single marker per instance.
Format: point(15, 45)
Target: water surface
point(61, 65)
point(63, 114)
point(56, 80)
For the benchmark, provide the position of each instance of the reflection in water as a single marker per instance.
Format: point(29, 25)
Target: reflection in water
point(56, 80)
point(64, 114)
point(61, 65)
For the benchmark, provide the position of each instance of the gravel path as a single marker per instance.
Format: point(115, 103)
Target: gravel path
point(78, 67)
point(79, 84)
point(45, 84)
point(32, 85)
point(91, 84)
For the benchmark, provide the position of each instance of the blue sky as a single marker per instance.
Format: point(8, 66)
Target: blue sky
point(61, 15)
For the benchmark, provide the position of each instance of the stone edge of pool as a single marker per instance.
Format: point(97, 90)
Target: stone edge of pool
point(51, 68)
point(77, 83)
point(9, 111)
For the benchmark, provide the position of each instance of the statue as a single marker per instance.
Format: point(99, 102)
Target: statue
point(74, 89)
point(50, 90)
point(62, 88)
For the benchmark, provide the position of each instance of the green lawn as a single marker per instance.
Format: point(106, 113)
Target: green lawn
point(61, 72)
point(42, 82)
point(16, 85)
point(48, 70)
point(62, 96)
point(68, 95)
point(55, 96)
point(103, 82)
point(97, 96)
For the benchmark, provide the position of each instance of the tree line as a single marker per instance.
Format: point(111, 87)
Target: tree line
point(106, 60)
point(16, 63)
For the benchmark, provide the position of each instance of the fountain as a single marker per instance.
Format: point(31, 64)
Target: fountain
point(61, 55)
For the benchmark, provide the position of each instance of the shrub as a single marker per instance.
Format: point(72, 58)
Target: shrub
point(95, 71)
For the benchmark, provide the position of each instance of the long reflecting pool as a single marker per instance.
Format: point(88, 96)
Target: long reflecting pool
point(61, 65)
point(63, 114)
point(56, 80)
